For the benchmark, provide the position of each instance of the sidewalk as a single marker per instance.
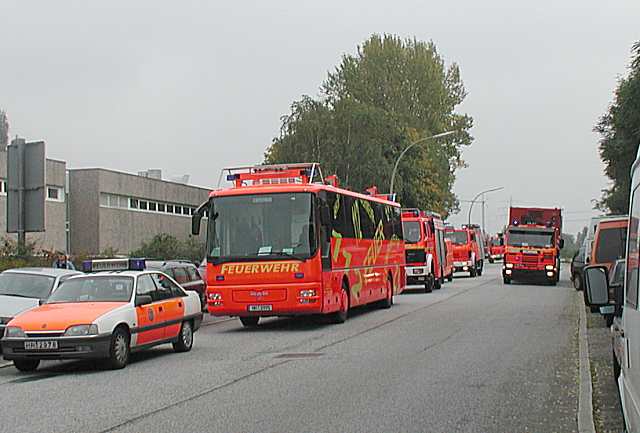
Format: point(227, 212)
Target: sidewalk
point(607, 413)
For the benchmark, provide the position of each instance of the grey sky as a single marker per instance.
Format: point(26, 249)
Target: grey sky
point(191, 87)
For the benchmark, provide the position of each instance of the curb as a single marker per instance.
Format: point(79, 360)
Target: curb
point(585, 395)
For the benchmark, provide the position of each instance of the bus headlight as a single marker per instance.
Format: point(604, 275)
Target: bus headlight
point(307, 293)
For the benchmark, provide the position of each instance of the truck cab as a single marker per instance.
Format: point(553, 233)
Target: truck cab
point(425, 249)
point(496, 248)
point(468, 250)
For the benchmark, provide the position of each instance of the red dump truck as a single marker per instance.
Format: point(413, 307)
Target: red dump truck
point(532, 245)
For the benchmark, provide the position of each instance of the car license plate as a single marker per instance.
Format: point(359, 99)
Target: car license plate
point(417, 271)
point(263, 307)
point(41, 345)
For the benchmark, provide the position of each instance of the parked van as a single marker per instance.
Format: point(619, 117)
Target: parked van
point(626, 329)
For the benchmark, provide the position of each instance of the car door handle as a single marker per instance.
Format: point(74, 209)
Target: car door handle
point(160, 309)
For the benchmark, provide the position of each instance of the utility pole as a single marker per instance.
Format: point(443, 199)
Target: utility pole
point(483, 202)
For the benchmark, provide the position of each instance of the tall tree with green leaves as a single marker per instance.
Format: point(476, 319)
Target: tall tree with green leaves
point(620, 131)
point(391, 93)
point(4, 130)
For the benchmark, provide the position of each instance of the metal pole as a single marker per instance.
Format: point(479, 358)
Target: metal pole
point(22, 238)
point(476, 198)
point(483, 202)
point(395, 167)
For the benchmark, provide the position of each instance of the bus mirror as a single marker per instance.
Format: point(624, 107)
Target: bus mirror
point(196, 218)
point(561, 243)
point(325, 216)
point(596, 284)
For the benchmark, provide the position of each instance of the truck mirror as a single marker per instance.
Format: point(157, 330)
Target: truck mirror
point(596, 283)
point(196, 218)
point(561, 243)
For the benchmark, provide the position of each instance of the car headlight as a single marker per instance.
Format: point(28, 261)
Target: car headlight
point(14, 332)
point(80, 330)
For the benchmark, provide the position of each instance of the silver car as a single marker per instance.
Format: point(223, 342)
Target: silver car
point(23, 288)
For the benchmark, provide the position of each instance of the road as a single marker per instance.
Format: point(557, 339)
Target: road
point(475, 356)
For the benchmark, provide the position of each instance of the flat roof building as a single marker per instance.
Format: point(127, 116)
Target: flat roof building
point(112, 210)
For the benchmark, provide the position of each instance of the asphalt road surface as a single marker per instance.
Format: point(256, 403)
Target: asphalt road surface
point(475, 356)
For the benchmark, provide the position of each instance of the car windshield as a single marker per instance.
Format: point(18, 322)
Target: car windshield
point(411, 230)
point(26, 285)
point(264, 226)
point(530, 238)
point(496, 242)
point(457, 237)
point(94, 289)
point(611, 245)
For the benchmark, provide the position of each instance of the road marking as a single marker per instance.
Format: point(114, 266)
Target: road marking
point(585, 396)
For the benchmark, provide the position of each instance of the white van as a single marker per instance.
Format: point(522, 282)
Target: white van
point(625, 330)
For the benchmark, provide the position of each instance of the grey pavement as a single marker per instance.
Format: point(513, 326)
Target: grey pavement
point(475, 356)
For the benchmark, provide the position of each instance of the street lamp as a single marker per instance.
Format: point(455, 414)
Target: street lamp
point(478, 195)
point(395, 167)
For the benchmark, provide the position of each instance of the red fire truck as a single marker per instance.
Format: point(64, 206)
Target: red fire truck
point(285, 241)
point(496, 248)
point(425, 249)
point(468, 249)
point(532, 244)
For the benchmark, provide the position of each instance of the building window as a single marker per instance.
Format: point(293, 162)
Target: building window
point(55, 193)
point(3, 187)
point(169, 208)
point(153, 206)
point(178, 210)
point(161, 207)
point(133, 203)
point(143, 205)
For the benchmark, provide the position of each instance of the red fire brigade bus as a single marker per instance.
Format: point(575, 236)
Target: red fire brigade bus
point(425, 249)
point(280, 244)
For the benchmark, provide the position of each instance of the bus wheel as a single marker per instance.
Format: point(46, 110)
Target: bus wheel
point(387, 302)
point(437, 284)
point(250, 321)
point(341, 315)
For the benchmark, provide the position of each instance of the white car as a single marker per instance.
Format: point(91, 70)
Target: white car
point(24, 288)
point(105, 315)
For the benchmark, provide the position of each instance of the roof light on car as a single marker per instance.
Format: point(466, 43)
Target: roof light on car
point(113, 265)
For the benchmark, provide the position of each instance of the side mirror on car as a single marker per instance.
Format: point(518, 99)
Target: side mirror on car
point(143, 300)
point(596, 282)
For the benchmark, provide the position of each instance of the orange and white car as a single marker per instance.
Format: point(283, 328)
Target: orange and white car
point(104, 315)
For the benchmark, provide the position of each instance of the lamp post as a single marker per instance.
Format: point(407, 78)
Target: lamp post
point(395, 167)
point(476, 198)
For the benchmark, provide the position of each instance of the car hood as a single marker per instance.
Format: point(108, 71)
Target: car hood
point(11, 306)
point(58, 317)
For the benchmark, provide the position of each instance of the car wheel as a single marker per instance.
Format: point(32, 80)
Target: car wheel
point(26, 365)
point(119, 349)
point(185, 338)
point(250, 322)
point(342, 314)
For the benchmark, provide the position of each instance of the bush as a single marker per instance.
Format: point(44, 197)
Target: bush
point(168, 247)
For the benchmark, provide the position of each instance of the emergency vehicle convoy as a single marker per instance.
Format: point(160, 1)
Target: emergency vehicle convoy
point(532, 245)
point(425, 249)
point(117, 308)
point(280, 243)
point(468, 249)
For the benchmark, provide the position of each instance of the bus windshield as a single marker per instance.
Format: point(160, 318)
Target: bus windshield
point(530, 238)
point(261, 226)
point(411, 230)
point(457, 237)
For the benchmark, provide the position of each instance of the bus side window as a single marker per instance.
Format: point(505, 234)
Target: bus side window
point(633, 250)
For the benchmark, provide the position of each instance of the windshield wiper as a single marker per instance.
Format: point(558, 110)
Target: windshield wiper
point(17, 295)
point(285, 254)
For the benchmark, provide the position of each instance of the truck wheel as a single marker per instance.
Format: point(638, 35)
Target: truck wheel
point(491, 261)
point(473, 272)
point(450, 277)
point(437, 283)
point(577, 282)
point(26, 365)
point(506, 280)
point(428, 284)
point(608, 319)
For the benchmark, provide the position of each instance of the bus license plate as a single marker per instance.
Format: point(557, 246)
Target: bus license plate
point(40, 345)
point(260, 308)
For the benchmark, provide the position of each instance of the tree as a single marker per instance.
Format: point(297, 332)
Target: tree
point(167, 247)
point(372, 106)
point(620, 131)
point(4, 130)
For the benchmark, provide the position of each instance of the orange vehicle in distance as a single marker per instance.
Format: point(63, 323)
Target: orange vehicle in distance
point(468, 249)
point(496, 248)
point(425, 249)
point(285, 241)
